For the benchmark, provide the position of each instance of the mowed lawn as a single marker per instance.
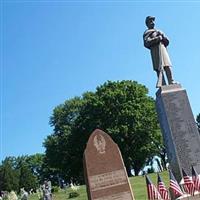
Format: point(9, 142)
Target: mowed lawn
point(138, 184)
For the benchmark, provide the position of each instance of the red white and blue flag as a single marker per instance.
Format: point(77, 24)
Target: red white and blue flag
point(174, 186)
point(162, 189)
point(188, 184)
point(152, 190)
point(196, 179)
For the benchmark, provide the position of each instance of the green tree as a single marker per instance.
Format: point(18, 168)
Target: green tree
point(8, 175)
point(26, 178)
point(39, 168)
point(122, 109)
point(36, 165)
point(21, 171)
point(59, 148)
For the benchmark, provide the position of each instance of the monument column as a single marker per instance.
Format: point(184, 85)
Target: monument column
point(180, 133)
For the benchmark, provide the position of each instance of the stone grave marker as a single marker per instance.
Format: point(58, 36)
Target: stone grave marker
point(105, 173)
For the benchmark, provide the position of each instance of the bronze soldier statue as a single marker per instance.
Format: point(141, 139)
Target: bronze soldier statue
point(157, 42)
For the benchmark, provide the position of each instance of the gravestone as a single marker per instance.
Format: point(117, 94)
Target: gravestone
point(105, 173)
point(180, 133)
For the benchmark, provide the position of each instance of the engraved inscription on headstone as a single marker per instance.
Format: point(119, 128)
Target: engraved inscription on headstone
point(105, 174)
point(106, 180)
point(179, 130)
point(119, 196)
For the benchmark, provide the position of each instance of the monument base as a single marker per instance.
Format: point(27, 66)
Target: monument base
point(196, 197)
point(180, 133)
point(185, 196)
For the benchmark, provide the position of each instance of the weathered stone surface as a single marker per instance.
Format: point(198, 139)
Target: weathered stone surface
point(105, 174)
point(181, 137)
point(185, 196)
point(195, 197)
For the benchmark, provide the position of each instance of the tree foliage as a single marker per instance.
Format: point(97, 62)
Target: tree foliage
point(26, 179)
point(122, 109)
point(21, 172)
point(8, 175)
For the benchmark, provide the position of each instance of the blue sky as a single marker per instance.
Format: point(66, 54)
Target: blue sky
point(54, 50)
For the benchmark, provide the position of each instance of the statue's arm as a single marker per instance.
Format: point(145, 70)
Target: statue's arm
point(164, 40)
point(149, 41)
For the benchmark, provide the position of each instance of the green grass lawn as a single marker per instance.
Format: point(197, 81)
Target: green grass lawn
point(138, 185)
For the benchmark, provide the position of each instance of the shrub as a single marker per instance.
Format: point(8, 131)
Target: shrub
point(73, 195)
point(55, 189)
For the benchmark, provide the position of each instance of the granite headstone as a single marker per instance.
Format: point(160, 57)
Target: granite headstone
point(105, 173)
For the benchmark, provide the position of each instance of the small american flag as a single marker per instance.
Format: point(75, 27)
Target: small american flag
point(174, 185)
point(152, 190)
point(162, 189)
point(196, 179)
point(188, 184)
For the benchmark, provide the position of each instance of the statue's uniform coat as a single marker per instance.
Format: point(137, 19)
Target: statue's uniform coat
point(159, 54)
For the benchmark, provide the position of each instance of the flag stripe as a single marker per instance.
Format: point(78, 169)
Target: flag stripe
point(188, 184)
point(175, 186)
point(152, 191)
point(162, 189)
point(196, 179)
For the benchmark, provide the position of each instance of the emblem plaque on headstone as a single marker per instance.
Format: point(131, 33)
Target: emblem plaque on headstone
point(105, 173)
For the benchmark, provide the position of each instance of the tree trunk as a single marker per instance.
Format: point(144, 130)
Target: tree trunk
point(128, 170)
point(163, 158)
point(137, 170)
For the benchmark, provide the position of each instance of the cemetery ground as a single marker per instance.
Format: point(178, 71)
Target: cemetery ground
point(138, 184)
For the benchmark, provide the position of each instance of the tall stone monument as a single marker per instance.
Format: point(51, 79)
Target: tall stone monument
point(105, 173)
point(181, 137)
